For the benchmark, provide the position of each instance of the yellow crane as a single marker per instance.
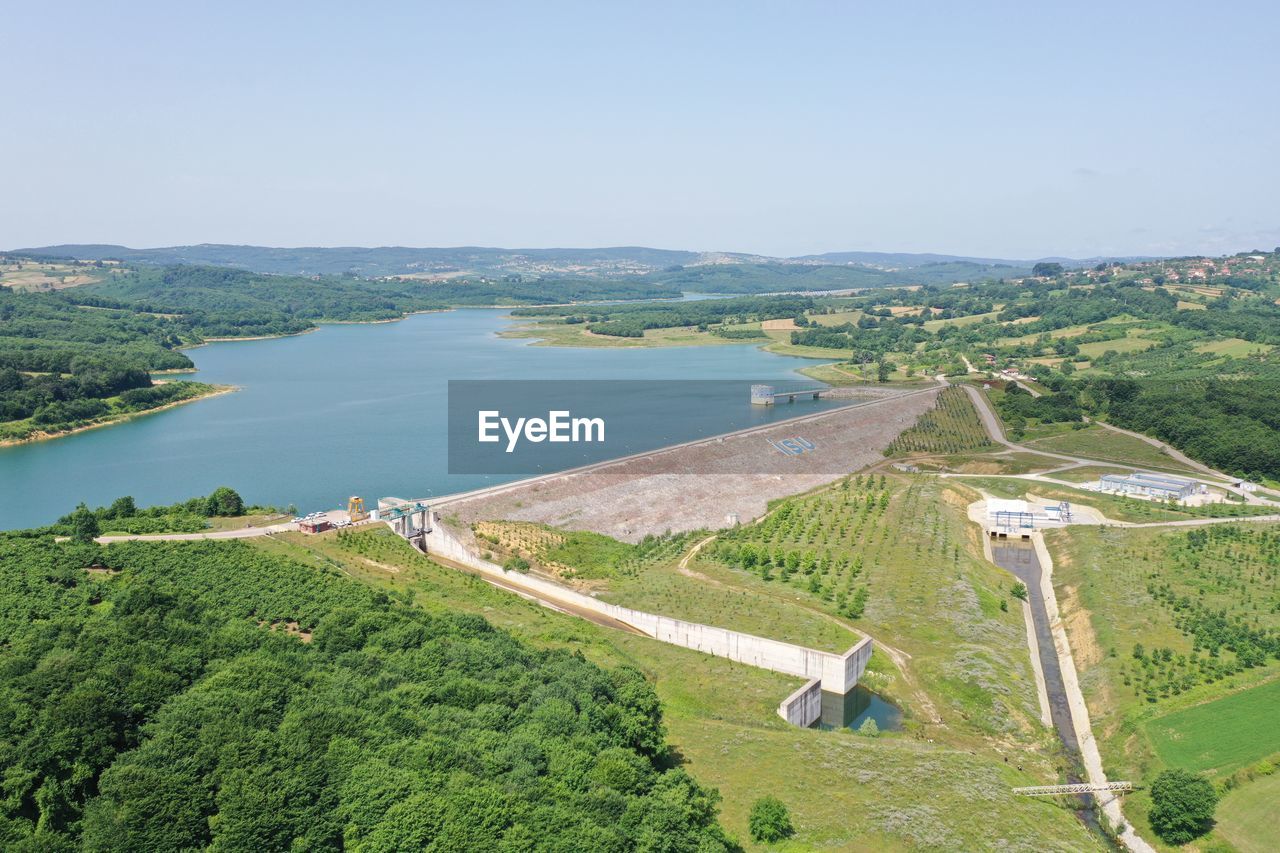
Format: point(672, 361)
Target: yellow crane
point(355, 509)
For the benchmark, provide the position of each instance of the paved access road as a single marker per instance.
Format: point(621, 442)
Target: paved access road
point(234, 533)
point(991, 422)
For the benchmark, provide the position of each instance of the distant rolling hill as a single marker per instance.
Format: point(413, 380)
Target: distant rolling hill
point(724, 272)
point(909, 259)
point(388, 260)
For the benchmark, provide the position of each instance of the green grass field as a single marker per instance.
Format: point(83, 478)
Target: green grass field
point(1003, 463)
point(934, 325)
point(554, 334)
point(1133, 341)
point(726, 604)
point(1089, 473)
point(780, 344)
point(1246, 817)
point(1066, 332)
point(1220, 736)
point(1233, 348)
point(1097, 442)
point(906, 558)
point(839, 318)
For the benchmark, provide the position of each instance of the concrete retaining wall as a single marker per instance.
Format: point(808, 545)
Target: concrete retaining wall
point(804, 707)
point(836, 673)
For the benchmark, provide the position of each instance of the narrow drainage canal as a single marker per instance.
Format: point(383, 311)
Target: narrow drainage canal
point(1019, 558)
point(856, 707)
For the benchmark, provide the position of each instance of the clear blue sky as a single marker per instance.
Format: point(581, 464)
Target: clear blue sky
point(999, 129)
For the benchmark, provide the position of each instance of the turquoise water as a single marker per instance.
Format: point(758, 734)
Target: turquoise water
point(346, 410)
point(856, 707)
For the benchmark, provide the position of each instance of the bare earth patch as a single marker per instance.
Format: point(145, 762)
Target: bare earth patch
point(1084, 642)
point(289, 626)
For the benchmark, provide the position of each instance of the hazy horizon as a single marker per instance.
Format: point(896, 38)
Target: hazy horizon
point(569, 248)
point(996, 130)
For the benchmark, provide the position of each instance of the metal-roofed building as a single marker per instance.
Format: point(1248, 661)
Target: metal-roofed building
point(1162, 486)
point(1005, 515)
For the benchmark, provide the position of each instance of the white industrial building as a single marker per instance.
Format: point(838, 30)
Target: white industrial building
point(1156, 486)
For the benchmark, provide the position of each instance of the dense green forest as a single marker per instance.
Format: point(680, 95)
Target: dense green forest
point(1233, 425)
point(48, 332)
point(64, 366)
point(221, 302)
point(208, 695)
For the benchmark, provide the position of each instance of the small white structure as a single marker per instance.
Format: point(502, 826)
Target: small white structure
point(1006, 515)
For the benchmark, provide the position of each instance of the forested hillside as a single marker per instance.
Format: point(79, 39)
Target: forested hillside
point(63, 366)
point(782, 277)
point(47, 332)
point(220, 302)
point(166, 696)
point(380, 260)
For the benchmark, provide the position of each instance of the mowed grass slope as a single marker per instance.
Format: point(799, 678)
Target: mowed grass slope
point(1246, 817)
point(845, 792)
point(1096, 442)
point(1220, 736)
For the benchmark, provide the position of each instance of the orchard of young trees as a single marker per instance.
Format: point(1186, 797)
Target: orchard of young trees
point(812, 542)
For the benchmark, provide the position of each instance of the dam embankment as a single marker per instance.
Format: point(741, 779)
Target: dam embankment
point(706, 484)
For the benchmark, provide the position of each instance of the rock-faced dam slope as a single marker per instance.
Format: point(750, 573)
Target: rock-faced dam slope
point(710, 483)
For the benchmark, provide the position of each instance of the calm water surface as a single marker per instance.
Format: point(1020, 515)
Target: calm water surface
point(856, 707)
point(349, 409)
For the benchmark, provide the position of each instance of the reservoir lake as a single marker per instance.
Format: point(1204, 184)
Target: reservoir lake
point(356, 409)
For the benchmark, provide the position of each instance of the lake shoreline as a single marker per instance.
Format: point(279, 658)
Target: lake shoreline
point(42, 435)
point(288, 439)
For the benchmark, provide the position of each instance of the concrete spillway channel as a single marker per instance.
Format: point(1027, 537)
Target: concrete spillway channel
point(1021, 560)
point(825, 672)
